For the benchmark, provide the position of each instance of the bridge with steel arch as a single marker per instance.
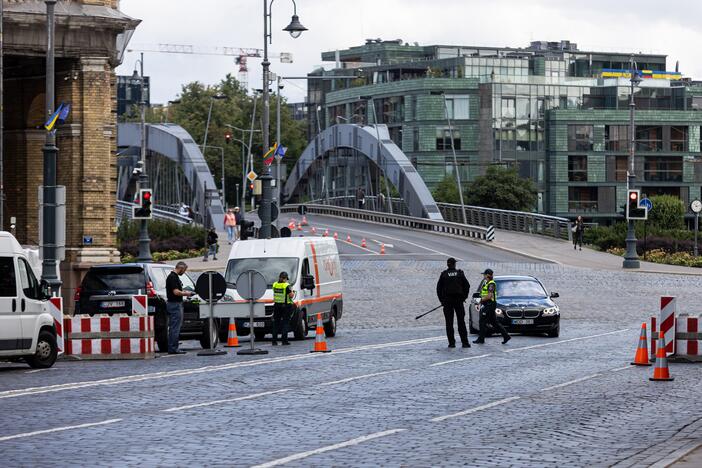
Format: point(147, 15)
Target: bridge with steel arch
point(177, 170)
point(343, 153)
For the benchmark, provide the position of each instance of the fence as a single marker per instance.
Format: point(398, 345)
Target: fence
point(123, 210)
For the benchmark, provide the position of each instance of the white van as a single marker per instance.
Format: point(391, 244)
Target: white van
point(27, 330)
point(314, 271)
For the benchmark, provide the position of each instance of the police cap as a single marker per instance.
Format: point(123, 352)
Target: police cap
point(487, 272)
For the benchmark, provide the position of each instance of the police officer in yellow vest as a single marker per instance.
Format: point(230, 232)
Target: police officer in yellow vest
point(282, 307)
point(488, 304)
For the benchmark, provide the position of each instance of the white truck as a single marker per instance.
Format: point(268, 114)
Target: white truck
point(314, 271)
point(27, 330)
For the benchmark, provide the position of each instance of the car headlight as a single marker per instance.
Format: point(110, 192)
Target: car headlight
point(550, 311)
point(499, 312)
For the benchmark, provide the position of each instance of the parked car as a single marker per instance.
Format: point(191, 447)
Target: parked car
point(107, 289)
point(523, 306)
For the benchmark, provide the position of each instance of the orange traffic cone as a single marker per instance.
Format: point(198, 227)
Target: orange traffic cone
point(326, 233)
point(320, 344)
point(382, 249)
point(304, 221)
point(232, 338)
point(314, 230)
point(660, 371)
point(299, 227)
point(291, 225)
point(348, 238)
point(641, 357)
point(336, 236)
point(363, 243)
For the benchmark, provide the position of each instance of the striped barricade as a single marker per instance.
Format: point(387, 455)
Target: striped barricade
point(55, 305)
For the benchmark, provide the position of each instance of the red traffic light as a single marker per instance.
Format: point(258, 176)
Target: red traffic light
point(146, 195)
point(633, 195)
point(228, 137)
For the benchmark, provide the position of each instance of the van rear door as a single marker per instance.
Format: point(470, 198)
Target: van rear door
point(10, 319)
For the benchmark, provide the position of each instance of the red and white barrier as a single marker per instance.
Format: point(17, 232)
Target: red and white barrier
point(140, 305)
point(686, 335)
point(56, 310)
point(110, 347)
point(667, 322)
point(107, 324)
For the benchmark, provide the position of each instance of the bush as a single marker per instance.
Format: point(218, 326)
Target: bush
point(166, 236)
point(668, 212)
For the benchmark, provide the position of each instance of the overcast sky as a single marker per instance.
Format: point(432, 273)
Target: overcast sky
point(670, 28)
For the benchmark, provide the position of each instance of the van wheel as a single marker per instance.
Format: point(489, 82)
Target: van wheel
point(46, 353)
point(301, 328)
point(330, 326)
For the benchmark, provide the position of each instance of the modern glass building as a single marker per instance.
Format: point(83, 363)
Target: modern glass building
point(557, 114)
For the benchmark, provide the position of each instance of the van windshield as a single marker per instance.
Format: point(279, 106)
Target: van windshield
point(270, 268)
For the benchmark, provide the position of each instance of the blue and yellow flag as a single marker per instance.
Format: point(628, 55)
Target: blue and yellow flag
point(270, 154)
point(49, 125)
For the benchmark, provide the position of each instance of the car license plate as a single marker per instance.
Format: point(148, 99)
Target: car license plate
point(111, 304)
point(256, 324)
point(523, 322)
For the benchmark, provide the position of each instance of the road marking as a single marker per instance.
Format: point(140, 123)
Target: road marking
point(328, 448)
point(38, 370)
point(366, 376)
point(474, 410)
point(226, 400)
point(459, 360)
point(571, 382)
point(386, 245)
point(512, 350)
point(57, 429)
point(358, 246)
point(200, 370)
point(618, 369)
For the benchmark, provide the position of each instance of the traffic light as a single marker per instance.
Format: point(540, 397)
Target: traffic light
point(633, 210)
point(144, 203)
point(246, 230)
point(228, 137)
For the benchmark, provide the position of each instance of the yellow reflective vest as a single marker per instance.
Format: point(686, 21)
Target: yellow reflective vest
point(279, 296)
point(484, 290)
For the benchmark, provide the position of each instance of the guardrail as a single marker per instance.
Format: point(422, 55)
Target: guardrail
point(421, 224)
point(123, 210)
point(520, 221)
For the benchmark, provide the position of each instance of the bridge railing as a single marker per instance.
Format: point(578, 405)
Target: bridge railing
point(421, 224)
point(123, 210)
point(520, 221)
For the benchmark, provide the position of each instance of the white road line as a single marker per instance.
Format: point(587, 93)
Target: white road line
point(200, 370)
point(474, 410)
point(359, 247)
point(57, 429)
point(618, 369)
point(512, 350)
point(571, 382)
point(386, 245)
point(459, 360)
point(38, 370)
point(328, 448)
point(366, 376)
point(226, 400)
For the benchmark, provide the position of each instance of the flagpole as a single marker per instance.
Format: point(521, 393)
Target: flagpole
point(278, 178)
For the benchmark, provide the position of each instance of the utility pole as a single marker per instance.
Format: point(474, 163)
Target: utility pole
point(631, 257)
point(144, 254)
point(2, 122)
point(278, 177)
point(49, 250)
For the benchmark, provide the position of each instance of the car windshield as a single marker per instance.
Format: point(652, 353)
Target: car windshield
point(270, 268)
point(115, 279)
point(520, 288)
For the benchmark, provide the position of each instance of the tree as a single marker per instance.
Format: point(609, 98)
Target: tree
point(668, 212)
point(502, 188)
point(447, 190)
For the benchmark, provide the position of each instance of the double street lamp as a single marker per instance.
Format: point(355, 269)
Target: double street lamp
point(144, 254)
point(631, 257)
point(295, 29)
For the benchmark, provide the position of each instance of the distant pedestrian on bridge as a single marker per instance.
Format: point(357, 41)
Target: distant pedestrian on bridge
point(453, 289)
point(578, 231)
point(361, 198)
point(230, 225)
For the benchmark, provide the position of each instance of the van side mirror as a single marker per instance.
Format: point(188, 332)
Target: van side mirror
point(308, 282)
point(555, 295)
point(44, 290)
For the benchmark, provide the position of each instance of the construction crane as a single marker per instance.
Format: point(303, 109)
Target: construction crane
point(241, 54)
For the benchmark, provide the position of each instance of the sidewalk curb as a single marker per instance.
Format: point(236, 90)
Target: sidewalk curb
point(678, 454)
point(523, 254)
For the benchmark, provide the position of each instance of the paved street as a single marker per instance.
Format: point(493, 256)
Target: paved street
point(390, 393)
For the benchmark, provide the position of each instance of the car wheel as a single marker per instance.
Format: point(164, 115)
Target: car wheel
point(330, 326)
point(301, 329)
point(209, 336)
point(554, 333)
point(46, 353)
point(259, 334)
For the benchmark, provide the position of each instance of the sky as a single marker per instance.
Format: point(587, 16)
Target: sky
point(648, 26)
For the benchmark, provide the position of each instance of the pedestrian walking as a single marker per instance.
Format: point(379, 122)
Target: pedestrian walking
point(282, 308)
point(211, 244)
point(488, 304)
point(578, 231)
point(453, 289)
point(230, 225)
point(174, 306)
point(360, 198)
point(237, 218)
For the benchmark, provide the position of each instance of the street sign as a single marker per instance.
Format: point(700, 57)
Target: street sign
point(87, 240)
point(646, 203)
point(251, 176)
point(251, 285)
point(219, 286)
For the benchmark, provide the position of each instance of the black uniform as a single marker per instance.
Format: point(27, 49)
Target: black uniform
point(453, 289)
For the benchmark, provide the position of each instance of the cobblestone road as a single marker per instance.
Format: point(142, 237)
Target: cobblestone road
point(391, 393)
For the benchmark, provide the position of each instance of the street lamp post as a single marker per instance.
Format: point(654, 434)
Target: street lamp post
point(243, 155)
point(631, 258)
point(218, 97)
point(2, 122)
point(49, 250)
point(224, 193)
point(144, 254)
point(295, 29)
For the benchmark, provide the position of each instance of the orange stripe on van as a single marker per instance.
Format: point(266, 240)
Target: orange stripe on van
point(316, 268)
point(319, 299)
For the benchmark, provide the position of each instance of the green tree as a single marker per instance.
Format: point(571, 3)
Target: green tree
point(668, 212)
point(502, 188)
point(447, 190)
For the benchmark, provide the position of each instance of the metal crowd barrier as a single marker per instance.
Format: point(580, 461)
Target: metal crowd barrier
point(123, 210)
point(420, 224)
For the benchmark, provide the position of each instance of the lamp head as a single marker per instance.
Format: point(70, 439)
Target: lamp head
point(295, 28)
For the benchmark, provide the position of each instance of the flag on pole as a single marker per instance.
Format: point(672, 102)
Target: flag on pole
point(63, 115)
point(280, 152)
point(270, 154)
point(49, 125)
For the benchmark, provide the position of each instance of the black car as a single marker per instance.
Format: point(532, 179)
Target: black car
point(107, 289)
point(523, 306)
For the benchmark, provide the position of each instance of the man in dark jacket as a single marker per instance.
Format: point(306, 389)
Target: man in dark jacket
point(453, 289)
point(211, 244)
